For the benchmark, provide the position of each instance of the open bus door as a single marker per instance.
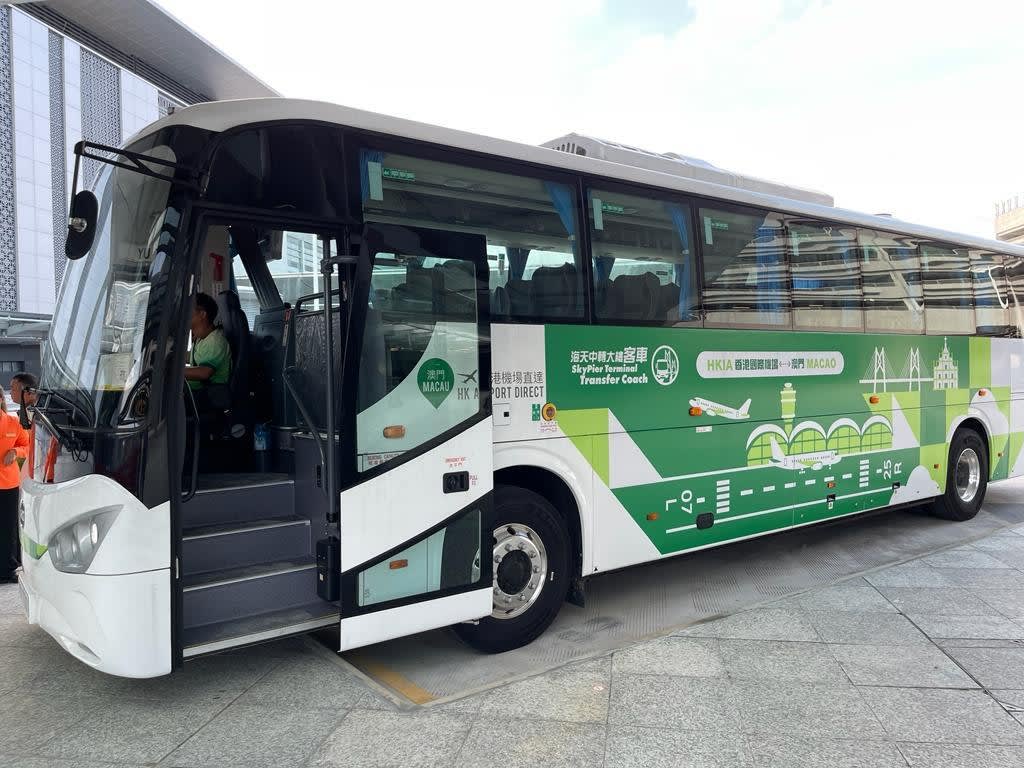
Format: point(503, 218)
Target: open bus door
point(416, 463)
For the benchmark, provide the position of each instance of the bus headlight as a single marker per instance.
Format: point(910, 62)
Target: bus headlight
point(73, 546)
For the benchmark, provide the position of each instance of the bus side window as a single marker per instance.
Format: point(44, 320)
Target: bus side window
point(530, 225)
point(826, 277)
point(948, 289)
point(1014, 267)
point(419, 371)
point(991, 294)
point(746, 276)
point(890, 272)
point(643, 258)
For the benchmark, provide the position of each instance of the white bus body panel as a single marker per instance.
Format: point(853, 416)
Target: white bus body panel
point(370, 628)
point(115, 617)
point(393, 508)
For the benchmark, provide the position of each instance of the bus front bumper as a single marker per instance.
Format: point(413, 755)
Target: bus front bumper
point(116, 624)
point(115, 616)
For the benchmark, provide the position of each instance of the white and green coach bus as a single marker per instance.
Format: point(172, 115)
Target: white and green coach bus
point(505, 368)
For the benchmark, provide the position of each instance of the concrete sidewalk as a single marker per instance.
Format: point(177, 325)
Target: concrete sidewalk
point(918, 664)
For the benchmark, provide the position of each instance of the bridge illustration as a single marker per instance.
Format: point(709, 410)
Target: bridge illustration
point(877, 372)
point(945, 372)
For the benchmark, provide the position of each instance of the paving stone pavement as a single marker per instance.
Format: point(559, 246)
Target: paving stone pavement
point(919, 665)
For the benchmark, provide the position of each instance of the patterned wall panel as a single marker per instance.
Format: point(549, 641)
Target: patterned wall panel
point(58, 161)
point(8, 230)
point(165, 105)
point(101, 106)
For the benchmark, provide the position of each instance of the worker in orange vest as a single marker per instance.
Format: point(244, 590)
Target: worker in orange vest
point(13, 446)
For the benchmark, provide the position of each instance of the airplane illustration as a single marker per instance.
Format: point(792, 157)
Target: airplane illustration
point(468, 378)
point(802, 461)
point(712, 408)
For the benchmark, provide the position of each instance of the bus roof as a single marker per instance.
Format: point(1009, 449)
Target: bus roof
point(224, 115)
point(675, 164)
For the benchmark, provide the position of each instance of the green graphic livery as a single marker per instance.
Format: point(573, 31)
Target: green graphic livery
point(808, 427)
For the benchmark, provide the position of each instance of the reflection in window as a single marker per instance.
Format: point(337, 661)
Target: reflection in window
point(746, 278)
point(1014, 267)
point(530, 226)
point(826, 277)
point(891, 281)
point(419, 371)
point(102, 317)
point(948, 289)
point(643, 260)
point(991, 301)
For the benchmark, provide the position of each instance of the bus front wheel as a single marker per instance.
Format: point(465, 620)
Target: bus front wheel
point(531, 560)
point(966, 478)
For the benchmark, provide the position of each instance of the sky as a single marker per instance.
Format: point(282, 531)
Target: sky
point(891, 106)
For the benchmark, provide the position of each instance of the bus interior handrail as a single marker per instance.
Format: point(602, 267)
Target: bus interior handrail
point(310, 297)
point(289, 373)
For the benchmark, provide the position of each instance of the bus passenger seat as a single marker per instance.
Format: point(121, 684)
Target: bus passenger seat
point(519, 304)
point(634, 297)
point(235, 326)
point(500, 302)
point(458, 295)
point(668, 304)
point(555, 291)
point(417, 292)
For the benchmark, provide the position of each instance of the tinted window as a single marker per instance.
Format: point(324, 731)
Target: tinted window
point(644, 268)
point(530, 226)
point(293, 168)
point(826, 276)
point(890, 271)
point(420, 356)
point(948, 289)
point(746, 280)
point(991, 296)
point(1014, 267)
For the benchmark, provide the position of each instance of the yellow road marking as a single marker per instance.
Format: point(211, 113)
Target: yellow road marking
point(392, 679)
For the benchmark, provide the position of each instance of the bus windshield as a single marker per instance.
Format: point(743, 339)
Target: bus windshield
point(108, 299)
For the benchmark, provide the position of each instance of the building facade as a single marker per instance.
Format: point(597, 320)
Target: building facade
point(73, 70)
point(1009, 224)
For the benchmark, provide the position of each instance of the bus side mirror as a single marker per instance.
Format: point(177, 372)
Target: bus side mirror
point(81, 224)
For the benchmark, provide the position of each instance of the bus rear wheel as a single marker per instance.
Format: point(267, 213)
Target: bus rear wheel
point(966, 478)
point(530, 558)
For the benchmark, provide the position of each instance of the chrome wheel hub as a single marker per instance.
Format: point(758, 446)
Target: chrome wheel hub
point(520, 566)
point(967, 474)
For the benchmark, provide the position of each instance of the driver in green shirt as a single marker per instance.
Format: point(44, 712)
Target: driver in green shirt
point(210, 361)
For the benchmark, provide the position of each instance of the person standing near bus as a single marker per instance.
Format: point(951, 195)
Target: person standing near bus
point(13, 446)
point(23, 393)
point(23, 389)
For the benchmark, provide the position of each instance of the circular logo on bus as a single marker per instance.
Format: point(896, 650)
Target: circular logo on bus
point(665, 365)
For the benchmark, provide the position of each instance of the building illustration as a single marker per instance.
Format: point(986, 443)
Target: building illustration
point(787, 397)
point(809, 440)
point(946, 374)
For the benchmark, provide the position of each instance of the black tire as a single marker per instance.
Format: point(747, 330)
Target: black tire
point(951, 505)
point(515, 506)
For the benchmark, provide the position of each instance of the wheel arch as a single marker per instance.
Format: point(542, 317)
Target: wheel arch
point(558, 484)
point(977, 423)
